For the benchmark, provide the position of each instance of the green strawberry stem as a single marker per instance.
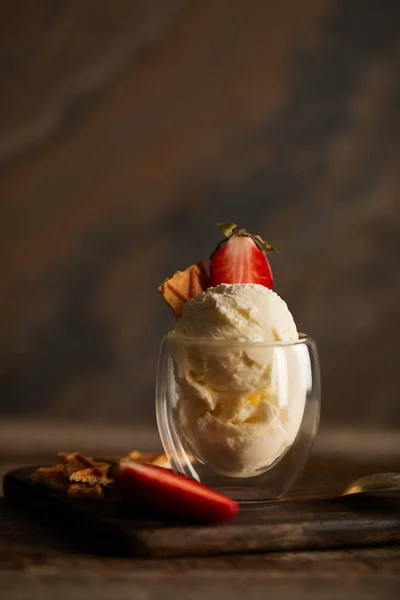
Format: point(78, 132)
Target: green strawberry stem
point(263, 245)
point(113, 462)
point(229, 229)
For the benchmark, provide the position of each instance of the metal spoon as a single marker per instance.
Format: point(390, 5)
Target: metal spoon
point(374, 484)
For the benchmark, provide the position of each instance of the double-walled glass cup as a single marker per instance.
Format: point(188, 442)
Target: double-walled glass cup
point(240, 417)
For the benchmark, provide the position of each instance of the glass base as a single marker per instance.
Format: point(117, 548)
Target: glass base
point(245, 495)
point(210, 462)
point(250, 492)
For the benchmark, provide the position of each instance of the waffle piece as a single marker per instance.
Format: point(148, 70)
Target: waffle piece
point(93, 475)
point(79, 491)
point(183, 285)
point(83, 477)
point(74, 461)
point(160, 460)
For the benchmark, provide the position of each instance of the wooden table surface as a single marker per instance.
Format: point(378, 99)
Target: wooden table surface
point(36, 563)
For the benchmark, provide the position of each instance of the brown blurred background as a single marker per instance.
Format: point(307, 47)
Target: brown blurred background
point(127, 129)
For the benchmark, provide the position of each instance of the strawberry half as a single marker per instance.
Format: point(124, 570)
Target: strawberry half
point(240, 258)
point(166, 494)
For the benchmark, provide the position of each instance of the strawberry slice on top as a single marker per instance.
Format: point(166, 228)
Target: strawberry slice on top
point(240, 258)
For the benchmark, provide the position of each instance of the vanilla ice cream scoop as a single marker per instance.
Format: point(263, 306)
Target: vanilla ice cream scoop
point(220, 321)
point(241, 386)
point(239, 311)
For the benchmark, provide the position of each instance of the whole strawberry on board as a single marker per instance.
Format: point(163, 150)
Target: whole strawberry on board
point(240, 258)
point(161, 493)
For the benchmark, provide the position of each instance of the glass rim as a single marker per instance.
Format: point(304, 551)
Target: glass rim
point(185, 340)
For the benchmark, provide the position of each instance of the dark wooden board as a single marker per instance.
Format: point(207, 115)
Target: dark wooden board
point(269, 526)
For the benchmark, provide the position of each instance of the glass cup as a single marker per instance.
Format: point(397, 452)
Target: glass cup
point(240, 417)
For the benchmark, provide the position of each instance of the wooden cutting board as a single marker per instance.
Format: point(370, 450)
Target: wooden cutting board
point(108, 528)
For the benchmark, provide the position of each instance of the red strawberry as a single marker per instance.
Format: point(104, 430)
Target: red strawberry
point(167, 494)
point(240, 258)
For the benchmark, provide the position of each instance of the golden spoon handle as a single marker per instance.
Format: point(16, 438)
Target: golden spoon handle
point(379, 482)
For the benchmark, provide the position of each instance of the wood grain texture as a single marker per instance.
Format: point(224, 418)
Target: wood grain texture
point(128, 129)
point(37, 563)
point(108, 528)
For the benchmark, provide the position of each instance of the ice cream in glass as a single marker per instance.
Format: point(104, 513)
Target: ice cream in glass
point(240, 375)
